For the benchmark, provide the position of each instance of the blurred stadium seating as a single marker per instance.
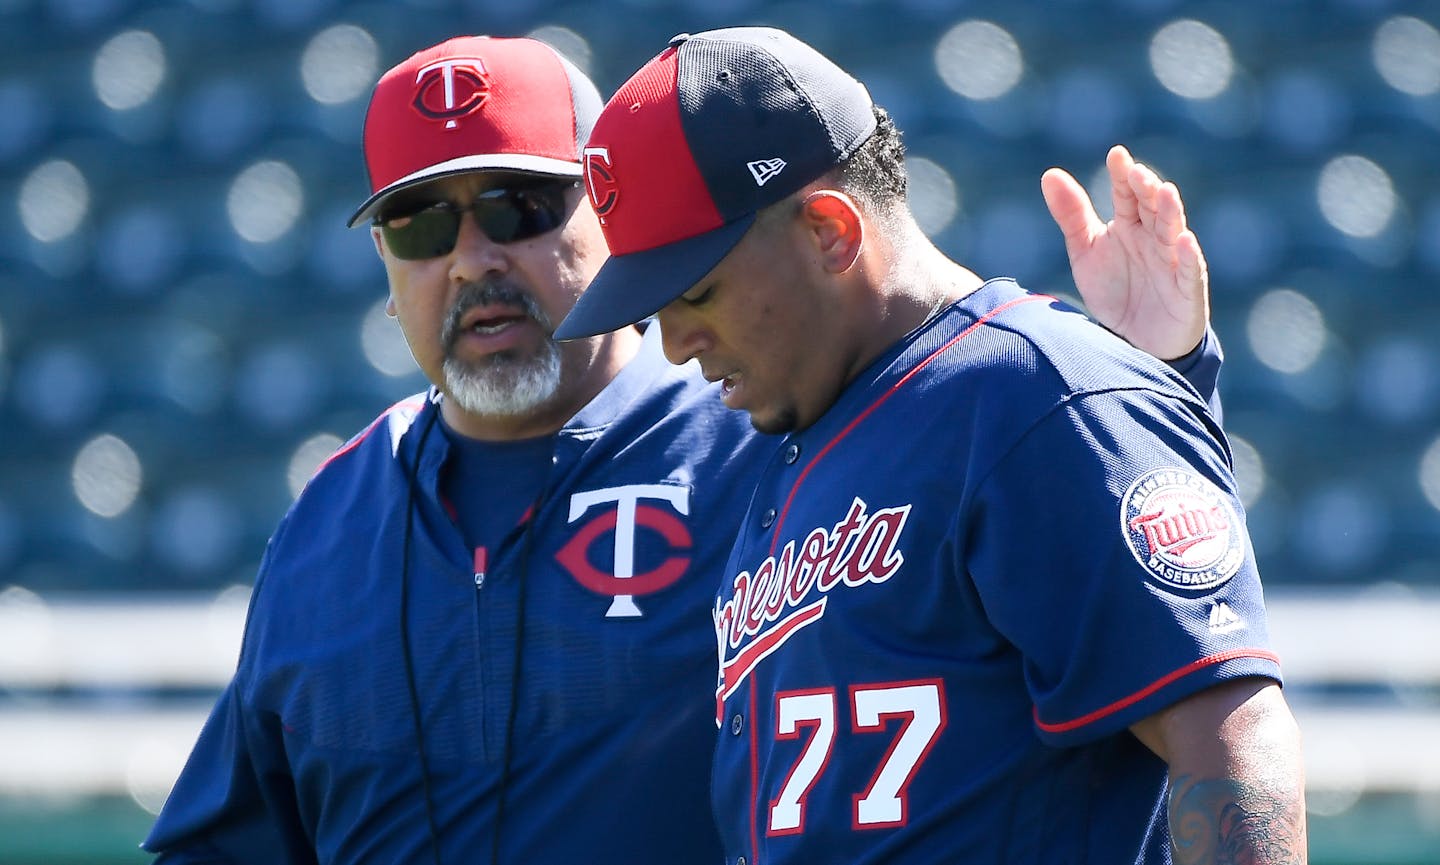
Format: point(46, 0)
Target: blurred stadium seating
point(187, 328)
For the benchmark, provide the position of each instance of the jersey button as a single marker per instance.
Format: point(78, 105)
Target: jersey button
point(740, 861)
point(737, 724)
point(792, 454)
point(767, 519)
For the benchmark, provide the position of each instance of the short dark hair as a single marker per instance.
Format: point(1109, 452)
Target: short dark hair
point(875, 174)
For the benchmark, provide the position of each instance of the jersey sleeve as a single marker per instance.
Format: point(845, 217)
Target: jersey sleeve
point(1201, 368)
point(234, 801)
point(227, 805)
point(1109, 547)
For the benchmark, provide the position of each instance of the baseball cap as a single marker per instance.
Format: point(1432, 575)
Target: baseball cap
point(718, 126)
point(475, 102)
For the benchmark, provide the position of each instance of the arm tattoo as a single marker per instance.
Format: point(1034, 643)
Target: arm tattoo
point(1222, 821)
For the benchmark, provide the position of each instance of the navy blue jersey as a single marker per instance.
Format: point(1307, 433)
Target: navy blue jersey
point(312, 753)
point(1011, 538)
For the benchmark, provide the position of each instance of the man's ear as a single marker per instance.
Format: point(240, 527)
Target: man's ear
point(834, 220)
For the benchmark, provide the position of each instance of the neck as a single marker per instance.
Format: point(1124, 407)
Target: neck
point(911, 281)
point(923, 280)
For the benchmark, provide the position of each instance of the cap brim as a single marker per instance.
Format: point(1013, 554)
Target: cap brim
point(632, 287)
point(483, 162)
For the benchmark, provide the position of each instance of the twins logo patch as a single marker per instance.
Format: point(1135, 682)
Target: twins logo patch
point(1182, 528)
point(450, 89)
point(616, 520)
point(600, 181)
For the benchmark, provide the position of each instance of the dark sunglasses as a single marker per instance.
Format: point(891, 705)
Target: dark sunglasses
point(505, 215)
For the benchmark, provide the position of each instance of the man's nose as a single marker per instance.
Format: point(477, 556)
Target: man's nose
point(682, 334)
point(475, 255)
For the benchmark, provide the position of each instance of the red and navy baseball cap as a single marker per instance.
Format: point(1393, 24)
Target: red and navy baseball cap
point(718, 126)
point(474, 103)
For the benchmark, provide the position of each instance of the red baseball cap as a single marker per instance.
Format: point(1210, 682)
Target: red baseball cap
point(712, 130)
point(473, 103)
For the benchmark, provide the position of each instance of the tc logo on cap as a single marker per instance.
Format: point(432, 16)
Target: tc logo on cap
point(600, 181)
point(451, 88)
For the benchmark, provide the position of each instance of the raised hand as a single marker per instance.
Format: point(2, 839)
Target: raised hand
point(1141, 274)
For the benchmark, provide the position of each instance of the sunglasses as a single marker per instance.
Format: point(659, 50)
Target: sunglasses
point(505, 215)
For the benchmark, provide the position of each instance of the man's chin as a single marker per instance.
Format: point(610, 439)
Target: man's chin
point(773, 423)
point(504, 390)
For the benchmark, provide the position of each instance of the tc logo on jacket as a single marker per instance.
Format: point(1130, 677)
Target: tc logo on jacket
point(619, 511)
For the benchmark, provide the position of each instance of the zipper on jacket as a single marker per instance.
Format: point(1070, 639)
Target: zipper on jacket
point(480, 557)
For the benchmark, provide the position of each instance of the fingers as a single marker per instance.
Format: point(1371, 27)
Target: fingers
point(1142, 202)
point(1120, 163)
point(1169, 219)
point(1140, 196)
point(1070, 207)
point(1146, 185)
point(1191, 272)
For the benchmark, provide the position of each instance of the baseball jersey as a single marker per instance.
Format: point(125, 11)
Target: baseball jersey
point(312, 753)
point(1012, 537)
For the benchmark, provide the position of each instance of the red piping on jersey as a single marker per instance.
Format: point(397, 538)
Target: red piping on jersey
point(775, 539)
point(905, 379)
point(355, 442)
point(754, 781)
point(1124, 702)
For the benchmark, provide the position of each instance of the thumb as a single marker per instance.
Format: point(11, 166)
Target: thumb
point(1071, 208)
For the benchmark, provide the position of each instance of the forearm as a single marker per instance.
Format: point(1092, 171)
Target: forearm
point(1220, 821)
point(1237, 788)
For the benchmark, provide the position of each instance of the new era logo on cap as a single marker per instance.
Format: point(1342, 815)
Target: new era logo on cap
point(765, 169)
point(475, 103)
point(689, 149)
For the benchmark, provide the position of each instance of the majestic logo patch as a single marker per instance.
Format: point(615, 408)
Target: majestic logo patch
point(451, 88)
point(1182, 528)
point(600, 181)
point(763, 170)
point(1223, 620)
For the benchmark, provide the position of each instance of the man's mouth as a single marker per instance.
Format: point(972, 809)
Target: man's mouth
point(486, 323)
point(488, 311)
point(727, 381)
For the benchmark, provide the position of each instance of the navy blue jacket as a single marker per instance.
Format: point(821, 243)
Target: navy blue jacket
point(311, 754)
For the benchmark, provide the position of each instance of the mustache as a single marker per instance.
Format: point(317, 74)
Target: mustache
point(494, 292)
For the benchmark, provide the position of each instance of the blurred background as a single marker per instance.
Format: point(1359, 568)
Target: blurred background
point(187, 328)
